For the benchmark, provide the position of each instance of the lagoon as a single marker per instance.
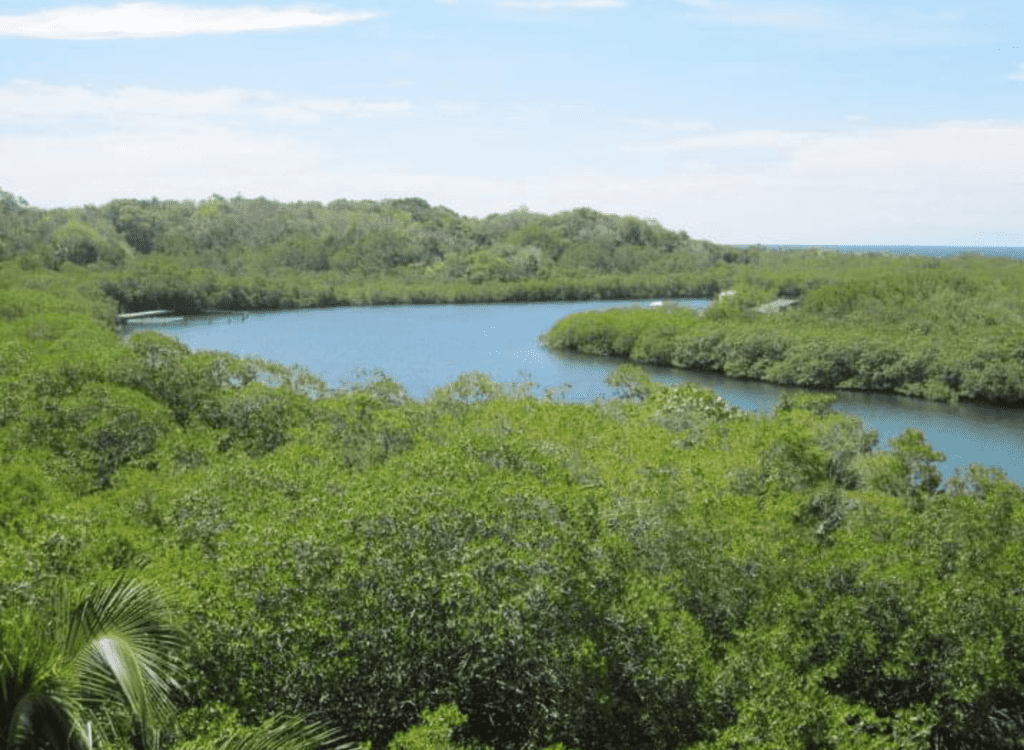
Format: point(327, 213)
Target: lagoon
point(424, 347)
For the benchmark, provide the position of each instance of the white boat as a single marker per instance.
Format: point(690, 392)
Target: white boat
point(156, 320)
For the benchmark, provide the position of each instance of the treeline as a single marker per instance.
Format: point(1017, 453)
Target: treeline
point(943, 330)
point(658, 572)
point(260, 254)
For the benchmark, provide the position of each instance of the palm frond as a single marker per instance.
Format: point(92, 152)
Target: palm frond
point(44, 722)
point(73, 663)
point(36, 710)
point(278, 733)
point(121, 646)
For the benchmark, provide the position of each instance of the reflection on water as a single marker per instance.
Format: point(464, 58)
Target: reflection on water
point(427, 346)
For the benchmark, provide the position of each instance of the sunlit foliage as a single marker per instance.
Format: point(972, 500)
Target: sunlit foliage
point(489, 567)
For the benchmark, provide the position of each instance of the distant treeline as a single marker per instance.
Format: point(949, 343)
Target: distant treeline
point(260, 254)
point(943, 330)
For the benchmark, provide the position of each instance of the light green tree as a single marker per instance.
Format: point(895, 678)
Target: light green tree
point(79, 243)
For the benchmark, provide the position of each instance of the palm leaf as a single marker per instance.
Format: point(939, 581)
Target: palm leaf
point(44, 722)
point(121, 647)
point(278, 733)
point(36, 710)
point(60, 669)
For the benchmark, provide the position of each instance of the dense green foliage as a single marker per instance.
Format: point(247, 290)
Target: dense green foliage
point(248, 254)
point(659, 571)
point(944, 330)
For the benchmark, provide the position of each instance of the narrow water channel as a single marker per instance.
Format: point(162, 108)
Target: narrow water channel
point(424, 347)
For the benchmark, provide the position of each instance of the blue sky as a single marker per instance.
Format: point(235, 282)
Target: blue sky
point(806, 122)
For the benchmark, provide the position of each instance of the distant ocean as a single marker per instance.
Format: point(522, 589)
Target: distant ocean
point(935, 251)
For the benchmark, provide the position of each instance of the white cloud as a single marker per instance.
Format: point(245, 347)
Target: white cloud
point(652, 124)
point(937, 184)
point(457, 108)
point(181, 162)
point(1019, 75)
point(154, 19)
point(759, 14)
point(31, 101)
point(741, 139)
point(891, 25)
point(900, 158)
point(945, 183)
point(544, 5)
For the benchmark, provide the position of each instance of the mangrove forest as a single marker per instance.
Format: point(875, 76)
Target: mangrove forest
point(199, 550)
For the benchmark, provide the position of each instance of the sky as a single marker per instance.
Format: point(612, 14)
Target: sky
point(807, 122)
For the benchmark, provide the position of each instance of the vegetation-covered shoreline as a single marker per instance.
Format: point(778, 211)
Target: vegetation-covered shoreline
point(945, 329)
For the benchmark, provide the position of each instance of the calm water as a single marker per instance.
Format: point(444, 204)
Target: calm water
point(427, 346)
point(935, 251)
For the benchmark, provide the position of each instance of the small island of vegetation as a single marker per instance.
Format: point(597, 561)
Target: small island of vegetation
point(204, 551)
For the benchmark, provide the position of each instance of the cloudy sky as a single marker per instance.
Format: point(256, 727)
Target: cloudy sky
point(811, 121)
